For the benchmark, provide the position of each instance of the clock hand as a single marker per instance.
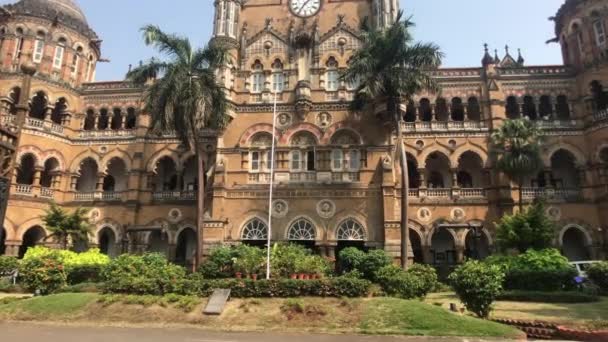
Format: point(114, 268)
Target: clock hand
point(304, 5)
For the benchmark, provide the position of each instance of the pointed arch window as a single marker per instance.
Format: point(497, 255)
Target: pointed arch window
point(76, 61)
point(301, 230)
point(19, 44)
point(38, 47)
point(257, 78)
point(350, 230)
point(255, 230)
point(278, 78)
point(332, 75)
point(59, 52)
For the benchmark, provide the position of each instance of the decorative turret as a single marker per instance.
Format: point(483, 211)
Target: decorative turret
point(384, 12)
point(226, 23)
point(52, 34)
point(487, 59)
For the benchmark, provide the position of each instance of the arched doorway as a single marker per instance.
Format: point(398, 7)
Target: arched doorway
point(186, 247)
point(255, 233)
point(416, 243)
point(477, 245)
point(157, 242)
point(574, 245)
point(107, 242)
point(350, 233)
point(443, 247)
point(302, 232)
point(32, 237)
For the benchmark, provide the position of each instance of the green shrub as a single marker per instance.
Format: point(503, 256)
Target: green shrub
point(598, 273)
point(219, 264)
point(548, 297)
point(530, 229)
point(249, 260)
point(397, 283)
point(477, 285)
point(79, 267)
point(43, 272)
point(8, 265)
point(150, 274)
point(288, 288)
point(427, 274)
point(353, 259)
point(545, 270)
point(81, 288)
point(286, 259)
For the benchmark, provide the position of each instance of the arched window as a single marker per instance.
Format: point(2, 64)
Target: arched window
point(257, 77)
point(545, 108)
point(89, 121)
point(117, 176)
point(473, 109)
point(131, 122)
point(337, 160)
point(529, 108)
point(457, 109)
point(426, 112)
point(19, 44)
point(260, 154)
point(278, 78)
point(301, 230)
point(59, 111)
point(512, 108)
point(39, 47)
point(255, 230)
point(465, 180)
point(579, 39)
point(59, 52)
point(87, 181)
point(350, 230)
point(51, 169)
point(25, 173)
point(76, 61)
point(441, 109)
point(410, 112)
point(332, 76)
point(88, 75)
point(38, 106)
point(599, 30)
point(117, 119)
point(414, 174)
point(563, 108)
point(600, 98)
point(104, 119)
point(165, 178)
point(107, 242)
point(304, 152)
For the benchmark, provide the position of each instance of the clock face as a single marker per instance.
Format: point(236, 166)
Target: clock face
point(305, 8)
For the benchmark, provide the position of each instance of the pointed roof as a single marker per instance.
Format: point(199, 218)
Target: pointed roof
point(487, 59)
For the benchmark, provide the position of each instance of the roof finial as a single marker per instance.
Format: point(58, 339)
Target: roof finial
point(496, 58)
point(487, 59)
point(520, 58)
point(507, 49)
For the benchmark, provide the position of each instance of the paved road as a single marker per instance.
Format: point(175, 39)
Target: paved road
point(60, 333)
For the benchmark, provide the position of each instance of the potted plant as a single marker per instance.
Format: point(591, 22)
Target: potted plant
point(252, 260)
point(239, 268)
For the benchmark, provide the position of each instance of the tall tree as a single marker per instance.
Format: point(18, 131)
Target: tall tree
point(64, 225)
point(390, 68)
point(183, 95)
point(517, 146)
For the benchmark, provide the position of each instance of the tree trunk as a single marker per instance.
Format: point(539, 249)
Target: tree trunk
point(200, 205)
point(521, 193)
point(405, 231)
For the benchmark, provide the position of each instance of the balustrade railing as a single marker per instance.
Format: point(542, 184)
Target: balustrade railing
point(600, 115)
point(111, 196)
point(558, 193)
point(472, 193)
point(120, 133)
point(438, 126)
point(23, 189)
point(303, 177)
point(8, 119)
point(32, 122)
point(441, 193)
point(258, 178)
point(84, 196)
point(174, 195)
point(47, 192)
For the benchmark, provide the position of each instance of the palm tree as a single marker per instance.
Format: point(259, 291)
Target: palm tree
point(185, 98)
point(516, 145)
point(64, 226)
point(390, 67)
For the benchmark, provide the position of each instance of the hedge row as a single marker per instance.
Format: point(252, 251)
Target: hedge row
point(548, 297)
point(540, 280)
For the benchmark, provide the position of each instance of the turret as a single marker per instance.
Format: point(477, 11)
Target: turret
point(384, 12)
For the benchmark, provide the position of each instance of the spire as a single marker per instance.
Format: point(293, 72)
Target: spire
point(496, 58)
point(520, 59)
point(487, 59)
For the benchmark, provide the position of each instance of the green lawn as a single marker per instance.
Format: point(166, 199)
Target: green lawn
point(330, 315)
point(59, 306)
point(569, 314)
point(411, 317)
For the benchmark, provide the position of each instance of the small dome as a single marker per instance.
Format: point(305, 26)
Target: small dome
point(66, 12)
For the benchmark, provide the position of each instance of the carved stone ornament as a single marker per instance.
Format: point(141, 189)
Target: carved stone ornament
point(280, 208)
point(425, 215)
point(284, 120)
point(554, 213)
point(324, 120)
point(387, 162)
point(458, 215)
point(175, 215)
point(94, 215)
point(326, 209)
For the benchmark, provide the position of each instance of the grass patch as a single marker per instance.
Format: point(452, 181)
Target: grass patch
point(411, 317)
point(55, 306)
point(548, 297)
point(569, 314)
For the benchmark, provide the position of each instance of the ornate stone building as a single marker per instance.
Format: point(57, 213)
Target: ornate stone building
point(87, 143)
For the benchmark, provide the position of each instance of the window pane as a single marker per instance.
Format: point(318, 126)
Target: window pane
point(58, 57)
point(310, 165)
point(255, 161)
point(295, 160)
point(332, 80)
point(355, 161)
point(337, 159)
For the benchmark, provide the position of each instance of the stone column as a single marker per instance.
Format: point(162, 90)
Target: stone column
point(449, 106)
point(422, 173)
point(123, 116)
point(73, 182)
point(331, 252)
point(548, 177)
point(454, 173)
point(110, 121)
point(37, 175)
point(465, 109)
point(433, 112)
point(96, 124)
point(459, 254)
point(48, 112)
point(427, 257)
point(99, 184)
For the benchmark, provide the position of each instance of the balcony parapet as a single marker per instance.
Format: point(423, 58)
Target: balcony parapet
point(174, 196)
point(564, 194)
point(444, 126)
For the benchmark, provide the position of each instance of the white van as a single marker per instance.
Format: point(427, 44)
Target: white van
point(582, 267)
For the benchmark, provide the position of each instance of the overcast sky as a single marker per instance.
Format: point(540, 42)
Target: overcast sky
point(459, 27)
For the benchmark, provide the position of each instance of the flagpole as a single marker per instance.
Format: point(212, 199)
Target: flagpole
point(274, 122)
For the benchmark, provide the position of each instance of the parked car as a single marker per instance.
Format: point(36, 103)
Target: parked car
point(583, 266)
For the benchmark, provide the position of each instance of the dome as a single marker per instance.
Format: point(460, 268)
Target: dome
point(66, 12)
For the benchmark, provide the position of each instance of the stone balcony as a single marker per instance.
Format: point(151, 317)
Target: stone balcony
point(174, 195)
point(448, 194)
point(306, 177)
point(560, 194)
point(104, 196)
point(107, 134)
point(443, 126)
point(33, 191)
